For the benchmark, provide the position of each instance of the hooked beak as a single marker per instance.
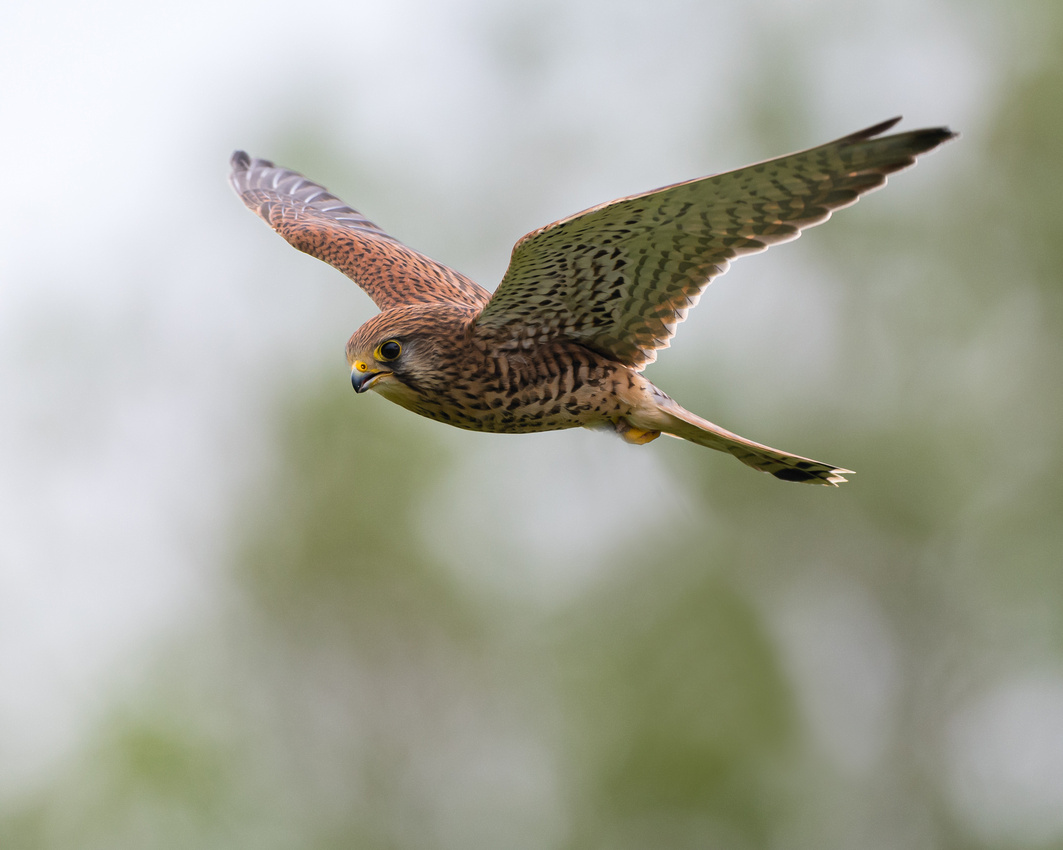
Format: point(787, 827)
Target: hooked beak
point(363, 378)
point(362, 381)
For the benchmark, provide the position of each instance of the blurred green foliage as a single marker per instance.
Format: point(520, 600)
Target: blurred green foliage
point(355, 693)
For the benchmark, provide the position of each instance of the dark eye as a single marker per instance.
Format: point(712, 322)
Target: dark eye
point(388, 350)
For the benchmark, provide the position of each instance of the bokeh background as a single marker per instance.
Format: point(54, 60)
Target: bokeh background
point(242, 607)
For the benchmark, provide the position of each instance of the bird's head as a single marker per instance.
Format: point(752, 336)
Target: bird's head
point(368, 369)
point(403, 352)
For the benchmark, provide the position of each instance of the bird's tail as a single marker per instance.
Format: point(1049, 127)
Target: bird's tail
point(688, 426)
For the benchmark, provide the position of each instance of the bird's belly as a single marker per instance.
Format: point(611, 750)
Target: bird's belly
point(522, 412)
point(522, 395)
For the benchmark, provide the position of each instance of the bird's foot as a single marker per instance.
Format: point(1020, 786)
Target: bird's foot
point(638, 436)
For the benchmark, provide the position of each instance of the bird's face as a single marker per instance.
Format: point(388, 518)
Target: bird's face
point(376, 367)
point(403, 353)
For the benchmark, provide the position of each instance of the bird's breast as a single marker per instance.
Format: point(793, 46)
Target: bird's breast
point(555, 386)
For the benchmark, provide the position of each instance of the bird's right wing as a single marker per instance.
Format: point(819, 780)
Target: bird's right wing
point(322, 225)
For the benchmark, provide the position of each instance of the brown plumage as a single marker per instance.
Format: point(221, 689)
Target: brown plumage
point(586, 302)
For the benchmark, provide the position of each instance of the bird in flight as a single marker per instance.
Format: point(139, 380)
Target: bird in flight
point(586, 302)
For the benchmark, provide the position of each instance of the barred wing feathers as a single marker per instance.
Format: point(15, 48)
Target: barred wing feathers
point(619, 277)
point(320, 224)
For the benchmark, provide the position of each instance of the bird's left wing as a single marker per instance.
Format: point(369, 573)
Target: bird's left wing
point(322, 225)
point(619, 277)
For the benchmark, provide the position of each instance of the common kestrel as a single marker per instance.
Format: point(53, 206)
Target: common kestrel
point(586, 302)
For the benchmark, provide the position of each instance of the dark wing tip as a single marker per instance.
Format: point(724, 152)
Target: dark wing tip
point(929, 138)
point(246, 172)
point(919, 141)
point(242, 161)
point(876, 130)
point(939, 135)
point(815, 473)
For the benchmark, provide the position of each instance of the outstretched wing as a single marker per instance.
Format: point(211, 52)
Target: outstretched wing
point(323, 226)
point(620, 276)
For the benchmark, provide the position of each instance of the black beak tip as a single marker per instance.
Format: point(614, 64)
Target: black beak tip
point(361, 380)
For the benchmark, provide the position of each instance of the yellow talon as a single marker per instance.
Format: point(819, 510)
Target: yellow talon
point(638, 436)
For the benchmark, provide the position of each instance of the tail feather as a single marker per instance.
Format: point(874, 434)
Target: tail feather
point(688, 426)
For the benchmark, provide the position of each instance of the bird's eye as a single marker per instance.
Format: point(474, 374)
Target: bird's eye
point(388, 350)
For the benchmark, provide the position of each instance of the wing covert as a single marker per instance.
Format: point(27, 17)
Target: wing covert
point(320, 224)
point(619, 277)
